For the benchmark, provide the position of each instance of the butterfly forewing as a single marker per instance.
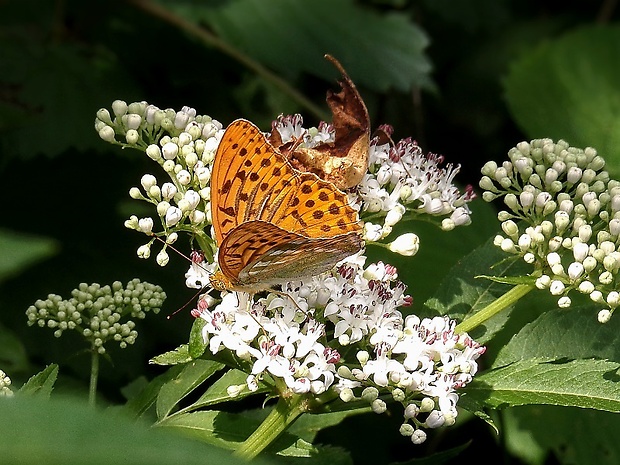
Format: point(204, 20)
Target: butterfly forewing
point(272, 222)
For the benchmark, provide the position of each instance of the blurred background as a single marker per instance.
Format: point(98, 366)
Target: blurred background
point(466, 79)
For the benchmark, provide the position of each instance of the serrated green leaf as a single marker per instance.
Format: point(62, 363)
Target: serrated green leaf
point(41, 384)
point(197, 344)
point(462, 294)
point(177, 356)
point(568, 89)
point(578, 383)
point(573, 333)
point(68, 432)
point(20, 251)
point(191, 376)
point(393, 45)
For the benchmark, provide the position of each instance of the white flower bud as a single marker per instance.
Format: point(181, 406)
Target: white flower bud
point(119, 107)
point(170, 150)
point(543, 282)
point(147, 181)
point(526, 199)
point(132, 222)
point(372, 232)
point(556, 287)
point(597, 296)
point(197, 217)
point(362, 357)
point(154, 152)
point(574, 175)
point(427, 405)
point(192, 198)
point(585, 232)
point(146, 225)
point(525, 241)
point(347, 395)
point(613, 299)
point(564, 302)
point(405, 244)
point(135, 193)
point(511, 201)
point(604, 316)
point(585, 287)
point(107, 134)
point(162, 258)
point(394, 215)
point(606, 278)
point(435, 419)
point(589, 263)
point(507, 245)
point(553, 258)
point(580, 251)
point(173, 216)
point(168, 191)
point(184, 177)
point(510, 228)
point(529, 258)
point(154, 192)
point(575, 270)
point(144, 251)
point(418, 437)
point(132, 121)
point(489, 168)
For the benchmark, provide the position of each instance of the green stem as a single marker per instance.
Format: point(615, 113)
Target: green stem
point(281, 417)
point(94, 374)
point(509, 298)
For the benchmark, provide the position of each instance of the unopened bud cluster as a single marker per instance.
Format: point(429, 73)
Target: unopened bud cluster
point(99, 313)
point(5, 383)
point(184, 145)
point(562, 217)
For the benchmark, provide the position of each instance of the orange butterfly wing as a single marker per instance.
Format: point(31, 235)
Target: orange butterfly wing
point(266, 213)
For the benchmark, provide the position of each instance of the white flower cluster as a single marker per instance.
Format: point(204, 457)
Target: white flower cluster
point(570, 218)
point(400, 179)
point(322, 336)
point(5, 382)
point(184, 145)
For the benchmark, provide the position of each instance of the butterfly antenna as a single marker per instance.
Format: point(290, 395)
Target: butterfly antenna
point(184, 305)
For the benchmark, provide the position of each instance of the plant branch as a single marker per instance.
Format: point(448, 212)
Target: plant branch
point(212, 40)
point(509, 298)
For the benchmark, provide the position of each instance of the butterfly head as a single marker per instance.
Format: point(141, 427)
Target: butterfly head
point(219, 282)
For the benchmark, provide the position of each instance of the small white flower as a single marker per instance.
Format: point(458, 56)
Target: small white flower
point(170, 150)
point(162, 258)
point(173, 216)
point(147, 181)
point(146, 225)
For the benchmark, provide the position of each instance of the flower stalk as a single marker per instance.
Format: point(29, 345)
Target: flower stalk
point(509, 298)
point(285, 412)
point(94, 375)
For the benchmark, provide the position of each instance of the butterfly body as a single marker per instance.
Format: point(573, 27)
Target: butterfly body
point(272, 223)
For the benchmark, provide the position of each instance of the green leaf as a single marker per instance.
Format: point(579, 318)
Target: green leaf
point(575, 436)
point(67, 432)
point(197, 344)
point(13, 357)
point(228, 430)
point(19, 251)
point(462, 293)
point(573, 333)
point(568, 88)
point(578, 383)
point(41, 384)
point(177, 356)
point(218, 393)
point(393, 47)
point(140, 403)
point(192, 375)
point(308, 426)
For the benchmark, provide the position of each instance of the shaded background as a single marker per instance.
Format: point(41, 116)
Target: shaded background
point(466, 79)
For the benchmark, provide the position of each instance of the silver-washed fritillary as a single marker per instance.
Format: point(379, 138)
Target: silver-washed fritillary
point(272, 223)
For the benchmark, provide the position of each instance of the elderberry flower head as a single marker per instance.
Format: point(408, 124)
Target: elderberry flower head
point(343, 331)
point(99, 313)
point(562, 217)
point(400, 180)
point(5, 383)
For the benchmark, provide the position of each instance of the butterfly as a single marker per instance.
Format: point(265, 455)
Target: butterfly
point(272, 223)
